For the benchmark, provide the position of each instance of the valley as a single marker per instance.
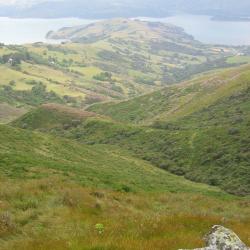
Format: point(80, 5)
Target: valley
point(56, 191)
point(205, 128)
point(129, 135)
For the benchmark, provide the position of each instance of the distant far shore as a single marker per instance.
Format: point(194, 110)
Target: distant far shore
point(230, 19)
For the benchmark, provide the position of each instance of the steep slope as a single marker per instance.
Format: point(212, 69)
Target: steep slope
point(205, 140)
point(9, 113)
point(60, 193)
point(54, 188)
point(53, 116)
point(25, 154)
point(205, 125)
point(178, 101)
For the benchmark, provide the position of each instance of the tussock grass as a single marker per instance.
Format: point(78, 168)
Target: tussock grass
point(53, 193)
point(65, 216)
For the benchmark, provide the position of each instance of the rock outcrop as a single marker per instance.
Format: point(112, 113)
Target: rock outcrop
point(221, 238)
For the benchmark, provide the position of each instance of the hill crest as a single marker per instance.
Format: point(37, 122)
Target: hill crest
point(121, 28)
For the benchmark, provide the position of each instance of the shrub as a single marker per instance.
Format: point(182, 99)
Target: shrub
point(233, 131)
point(126, 189)
point(25, 204)
point(103, 76)
point(6, 224)
point(99, 228)
point(12, 83)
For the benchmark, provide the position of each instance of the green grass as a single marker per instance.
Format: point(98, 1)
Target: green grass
point(177, 101)
point(29, 98)
point(52, 116)
point(54, 191)
point(70, 70)
point(205, 140)
point(28, 155)
point(9, 113)
point(211, 154)
point(210, 145)
point(71, 169)
point(238, 59)
point(54, 213)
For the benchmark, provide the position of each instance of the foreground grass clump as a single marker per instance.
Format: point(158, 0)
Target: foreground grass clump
point(58, 194)
point(66, 216)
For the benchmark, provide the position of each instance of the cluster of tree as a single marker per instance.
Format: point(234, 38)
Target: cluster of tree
point(180, 74)
point(15, 58)
point(103, 76)
point(145, 80)
point(111, 56)
point(22, 54)
point(157, 47)
point(34, 97)
point(60, 49)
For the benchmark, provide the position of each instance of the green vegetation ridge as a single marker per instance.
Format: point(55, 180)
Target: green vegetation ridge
point(206, 140)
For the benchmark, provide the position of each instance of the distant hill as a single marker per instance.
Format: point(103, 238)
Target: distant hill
point(129, 29)
point(151, 53)
point(109, 60)
point(127, 8)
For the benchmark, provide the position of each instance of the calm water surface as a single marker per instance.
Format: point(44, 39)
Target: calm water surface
point(21, 31)
point(208, 31)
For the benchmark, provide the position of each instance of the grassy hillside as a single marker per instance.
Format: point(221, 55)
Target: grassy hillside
point(55, 192)
point(149, 53)
point(53, 116)
point(203, 128)
point(205, 139)
point(25, 154)
point(180, 100)
point(9, 113)
point(152, 172)
point(107, 61)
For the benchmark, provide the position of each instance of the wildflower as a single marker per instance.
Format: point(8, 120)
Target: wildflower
point(99, 228)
